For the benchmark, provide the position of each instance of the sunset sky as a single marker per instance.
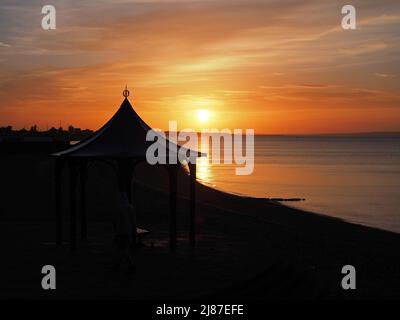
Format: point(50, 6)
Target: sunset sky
point(275, 66)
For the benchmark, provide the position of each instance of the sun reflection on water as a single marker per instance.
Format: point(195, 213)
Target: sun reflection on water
point(204, 171)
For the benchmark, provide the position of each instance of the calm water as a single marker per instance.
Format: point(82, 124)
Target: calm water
point(356, 178)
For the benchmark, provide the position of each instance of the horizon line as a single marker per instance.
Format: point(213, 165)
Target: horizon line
point(375, 132)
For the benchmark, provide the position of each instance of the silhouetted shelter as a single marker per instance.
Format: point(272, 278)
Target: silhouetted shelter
point(121, 143)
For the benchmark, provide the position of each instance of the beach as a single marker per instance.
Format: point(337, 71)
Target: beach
point(247, 248)
point(354, 177)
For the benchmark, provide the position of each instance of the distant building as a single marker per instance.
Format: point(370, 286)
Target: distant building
point(33, 134)
point(6, 131)
point(73, 130)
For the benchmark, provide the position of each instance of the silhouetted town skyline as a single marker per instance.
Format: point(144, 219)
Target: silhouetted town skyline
point(70, 133)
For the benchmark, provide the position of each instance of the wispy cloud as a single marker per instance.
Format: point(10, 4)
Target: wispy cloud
point(384, 75)
point(2, 44)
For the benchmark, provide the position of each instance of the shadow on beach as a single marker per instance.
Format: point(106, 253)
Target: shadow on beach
point(246, 247)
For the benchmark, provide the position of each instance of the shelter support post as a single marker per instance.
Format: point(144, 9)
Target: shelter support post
point(128, 182)
point(192, 231)
point(72, 205)
point(59, 219)
point(131, 185)
point(82, 185)
point(173, 179)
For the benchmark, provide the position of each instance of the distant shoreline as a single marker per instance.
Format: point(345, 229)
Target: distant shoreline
point(366, 134)
point(78, 133)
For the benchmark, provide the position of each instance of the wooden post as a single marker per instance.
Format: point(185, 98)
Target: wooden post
point(128, 182)
point(173, 172)
point(82, 184)
point(58, 181)
point(131, 185)
point(72, 208)
point(132, 198)
point(192, 231)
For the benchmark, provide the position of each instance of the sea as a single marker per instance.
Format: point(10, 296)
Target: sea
point(355, 177)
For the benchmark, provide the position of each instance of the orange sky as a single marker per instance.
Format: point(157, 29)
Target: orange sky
point(275, 66)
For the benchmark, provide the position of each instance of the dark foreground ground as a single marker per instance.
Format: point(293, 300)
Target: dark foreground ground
point(247, 248)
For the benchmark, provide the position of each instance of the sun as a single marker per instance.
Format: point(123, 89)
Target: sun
point(203, 115)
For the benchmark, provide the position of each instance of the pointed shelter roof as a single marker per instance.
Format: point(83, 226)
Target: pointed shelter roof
point(123, 136)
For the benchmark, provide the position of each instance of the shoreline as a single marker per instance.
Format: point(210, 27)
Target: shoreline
point(299, 209)
point(295, 209)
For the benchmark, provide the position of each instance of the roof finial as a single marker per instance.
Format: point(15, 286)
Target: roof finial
point(125, 93)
